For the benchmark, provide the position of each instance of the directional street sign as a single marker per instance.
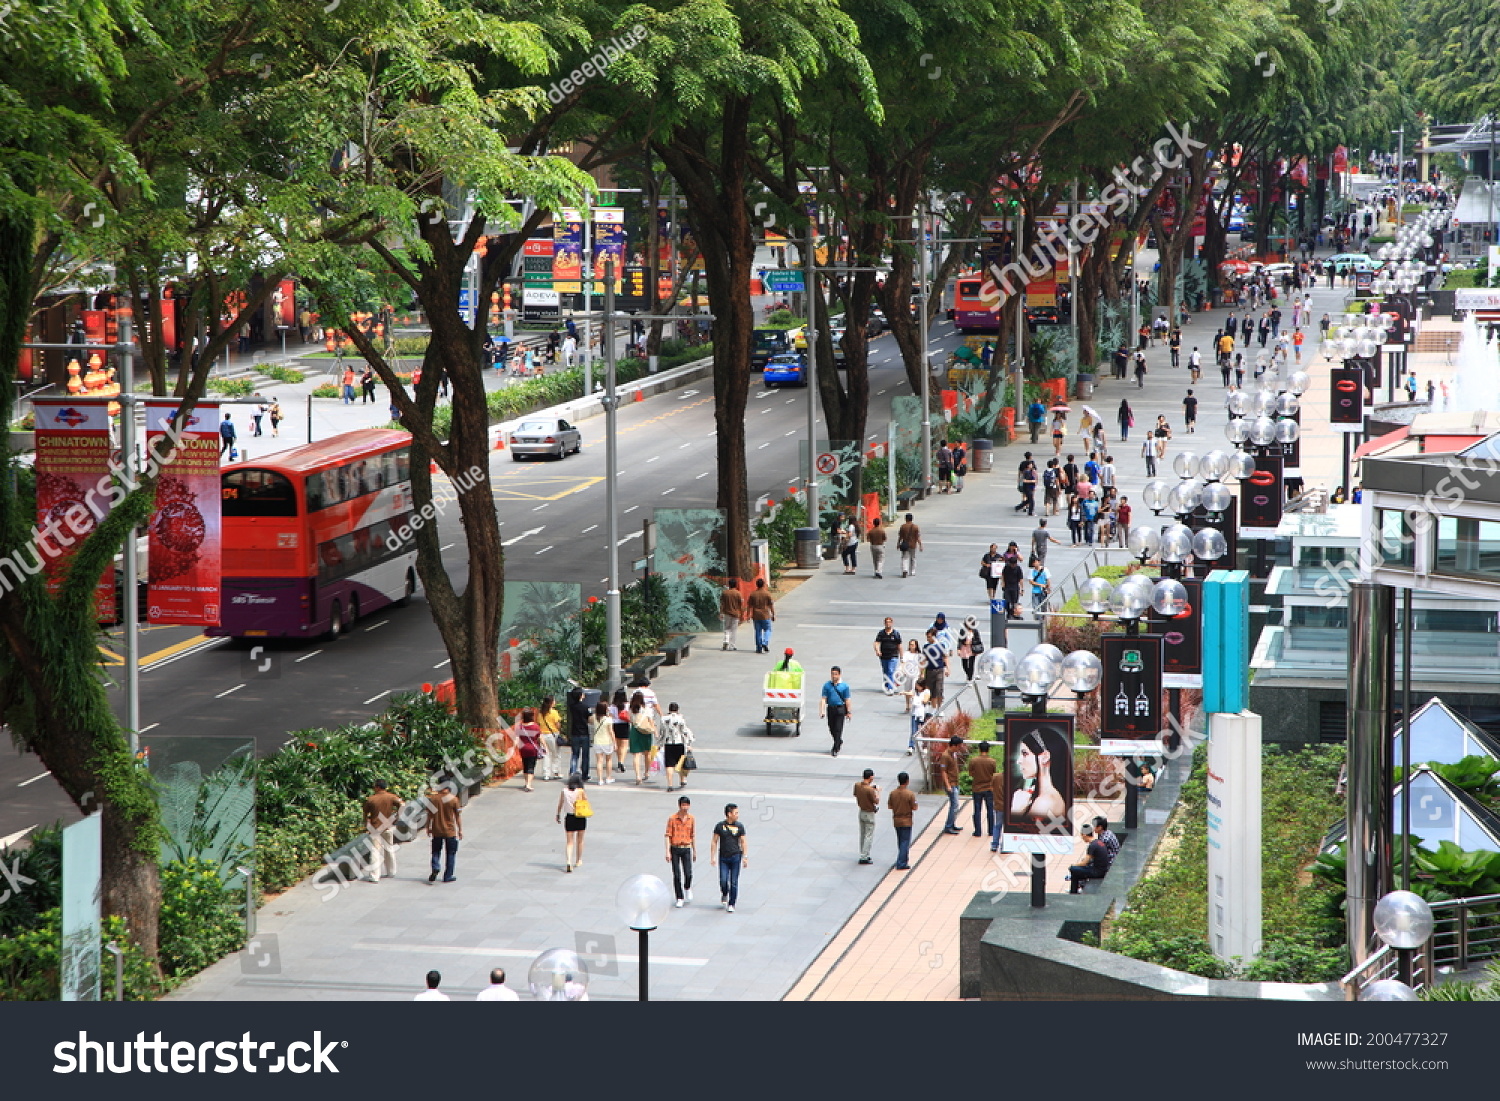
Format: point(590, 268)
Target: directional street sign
point(783, 279)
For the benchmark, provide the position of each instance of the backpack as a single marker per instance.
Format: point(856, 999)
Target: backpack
point(1090, 509)
point(1049, 477)
point(582, 808)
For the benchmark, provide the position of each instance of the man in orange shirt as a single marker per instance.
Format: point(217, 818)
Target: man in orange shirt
point(682, 849)
point(1297, 339)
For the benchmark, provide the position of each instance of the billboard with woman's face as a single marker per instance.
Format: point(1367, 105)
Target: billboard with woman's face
point(1038, 796)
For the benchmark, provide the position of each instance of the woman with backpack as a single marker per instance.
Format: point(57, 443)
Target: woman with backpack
point(642, 736)
point(574, 811)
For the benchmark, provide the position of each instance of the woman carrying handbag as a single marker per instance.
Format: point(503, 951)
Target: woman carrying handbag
point(674, 738)
point(574, 811)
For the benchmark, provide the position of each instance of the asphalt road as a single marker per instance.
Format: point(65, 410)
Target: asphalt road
point(553, 525)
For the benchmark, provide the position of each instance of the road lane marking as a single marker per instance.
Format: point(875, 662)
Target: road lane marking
point(148, 729)
point(445, 661)
point(703, 475)
point(684, 447)
point(382, 695)
point(544, 504)
point(523, 535)
point(226, 692)
point(793, 432)
point(34, 779)
point(764, 445)
point(666, 491)
point(7, 842)
point(545, 549)
point(449, 546)
point(632, 508)
point(628, 538)
point(372, 626)
point(588, 529)
point(304, 657)
point(789, 401)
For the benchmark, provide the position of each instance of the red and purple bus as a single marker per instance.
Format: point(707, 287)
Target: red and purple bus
point(970, 313)
point(317, 536)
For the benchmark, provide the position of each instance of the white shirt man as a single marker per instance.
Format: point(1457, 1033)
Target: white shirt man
point(432, 993)
point(497, 991)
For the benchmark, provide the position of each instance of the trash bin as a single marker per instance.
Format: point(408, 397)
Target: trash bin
point(805, 541)
point(981, 453)
point(1085, 387)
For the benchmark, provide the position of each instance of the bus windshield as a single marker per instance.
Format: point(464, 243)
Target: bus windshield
point(258, 493)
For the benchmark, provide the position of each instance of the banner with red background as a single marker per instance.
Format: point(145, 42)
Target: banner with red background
point(185, 547)
point(73, 448)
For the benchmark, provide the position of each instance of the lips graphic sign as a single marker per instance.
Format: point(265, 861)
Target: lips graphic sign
point(1346, 403)
point(1182, 636)
point(1262, 494)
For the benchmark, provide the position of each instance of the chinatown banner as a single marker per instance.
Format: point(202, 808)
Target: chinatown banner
point(1036, 811)
point(74, 490)
point(567, 252)
point(1130, 694)
point(184, 546)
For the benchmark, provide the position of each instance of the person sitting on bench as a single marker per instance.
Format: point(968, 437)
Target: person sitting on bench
point(1097, 866)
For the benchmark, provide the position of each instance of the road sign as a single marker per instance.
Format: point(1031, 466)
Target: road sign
point(783, 279)
point(828, 462)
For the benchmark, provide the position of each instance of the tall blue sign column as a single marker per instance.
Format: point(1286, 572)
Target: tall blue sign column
point(1234, 759)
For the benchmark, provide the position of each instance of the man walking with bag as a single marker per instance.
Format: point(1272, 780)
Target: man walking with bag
point(833, 704)
point(908, 542)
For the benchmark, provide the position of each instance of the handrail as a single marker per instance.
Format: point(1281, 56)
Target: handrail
point(1460, 938)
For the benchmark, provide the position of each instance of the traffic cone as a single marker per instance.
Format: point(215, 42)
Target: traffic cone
point(640, 395)
point(500, 442)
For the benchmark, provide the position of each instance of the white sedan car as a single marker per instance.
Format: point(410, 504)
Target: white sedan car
point(544, 436)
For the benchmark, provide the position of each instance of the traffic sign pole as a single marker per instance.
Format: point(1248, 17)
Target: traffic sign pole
point(810, 261)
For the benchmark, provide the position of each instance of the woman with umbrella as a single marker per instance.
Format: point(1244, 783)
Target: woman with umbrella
point(1127, 418)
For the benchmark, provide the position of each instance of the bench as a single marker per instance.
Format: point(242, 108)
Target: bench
point(676, 648)
point(646, 666)
point(906, 498)
point(1084, 884)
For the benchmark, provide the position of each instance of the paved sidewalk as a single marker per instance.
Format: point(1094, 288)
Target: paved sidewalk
point(803, 884)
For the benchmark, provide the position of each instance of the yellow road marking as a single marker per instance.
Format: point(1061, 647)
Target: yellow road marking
point(113, 658)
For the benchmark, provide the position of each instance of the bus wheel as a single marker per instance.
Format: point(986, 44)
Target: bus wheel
point(411, 588)
point(353, 612)
point(335, 621)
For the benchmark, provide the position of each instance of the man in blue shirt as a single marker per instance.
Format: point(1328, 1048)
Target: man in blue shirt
point(833, 705)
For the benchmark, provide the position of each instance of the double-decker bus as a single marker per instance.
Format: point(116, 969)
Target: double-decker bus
point(970, 313)
point(317, 536)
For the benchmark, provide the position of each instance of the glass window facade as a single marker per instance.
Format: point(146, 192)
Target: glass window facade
point(1394, 543)
point(1468, 548)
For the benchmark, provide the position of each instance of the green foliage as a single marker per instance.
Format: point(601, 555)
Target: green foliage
point(1167, 914)
point(326, 390)
point(231, 387)
point(41, 862)
point(783, 319)
point(308, 796)
point(281, 374)
point(201, 919)
point(1483, 990)
point(31, 970)
point(779, 530)
point(1477, 774)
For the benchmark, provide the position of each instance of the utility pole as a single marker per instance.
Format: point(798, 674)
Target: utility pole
point(810, 283)
point(926, 395)
point(1018, 365)
point(587, 271)
point(611, 509)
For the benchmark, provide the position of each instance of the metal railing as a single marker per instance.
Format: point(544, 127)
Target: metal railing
point(951, 705)
point(1465, 931)
point(1082, 572)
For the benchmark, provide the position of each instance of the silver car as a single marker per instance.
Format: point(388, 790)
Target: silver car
point(544, 436)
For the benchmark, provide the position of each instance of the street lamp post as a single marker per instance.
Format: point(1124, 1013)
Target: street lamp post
point(558, 975)
point(1036, 675)
point(642, 903)
point(611, 504)
point(926, 395)
point(810, 279)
